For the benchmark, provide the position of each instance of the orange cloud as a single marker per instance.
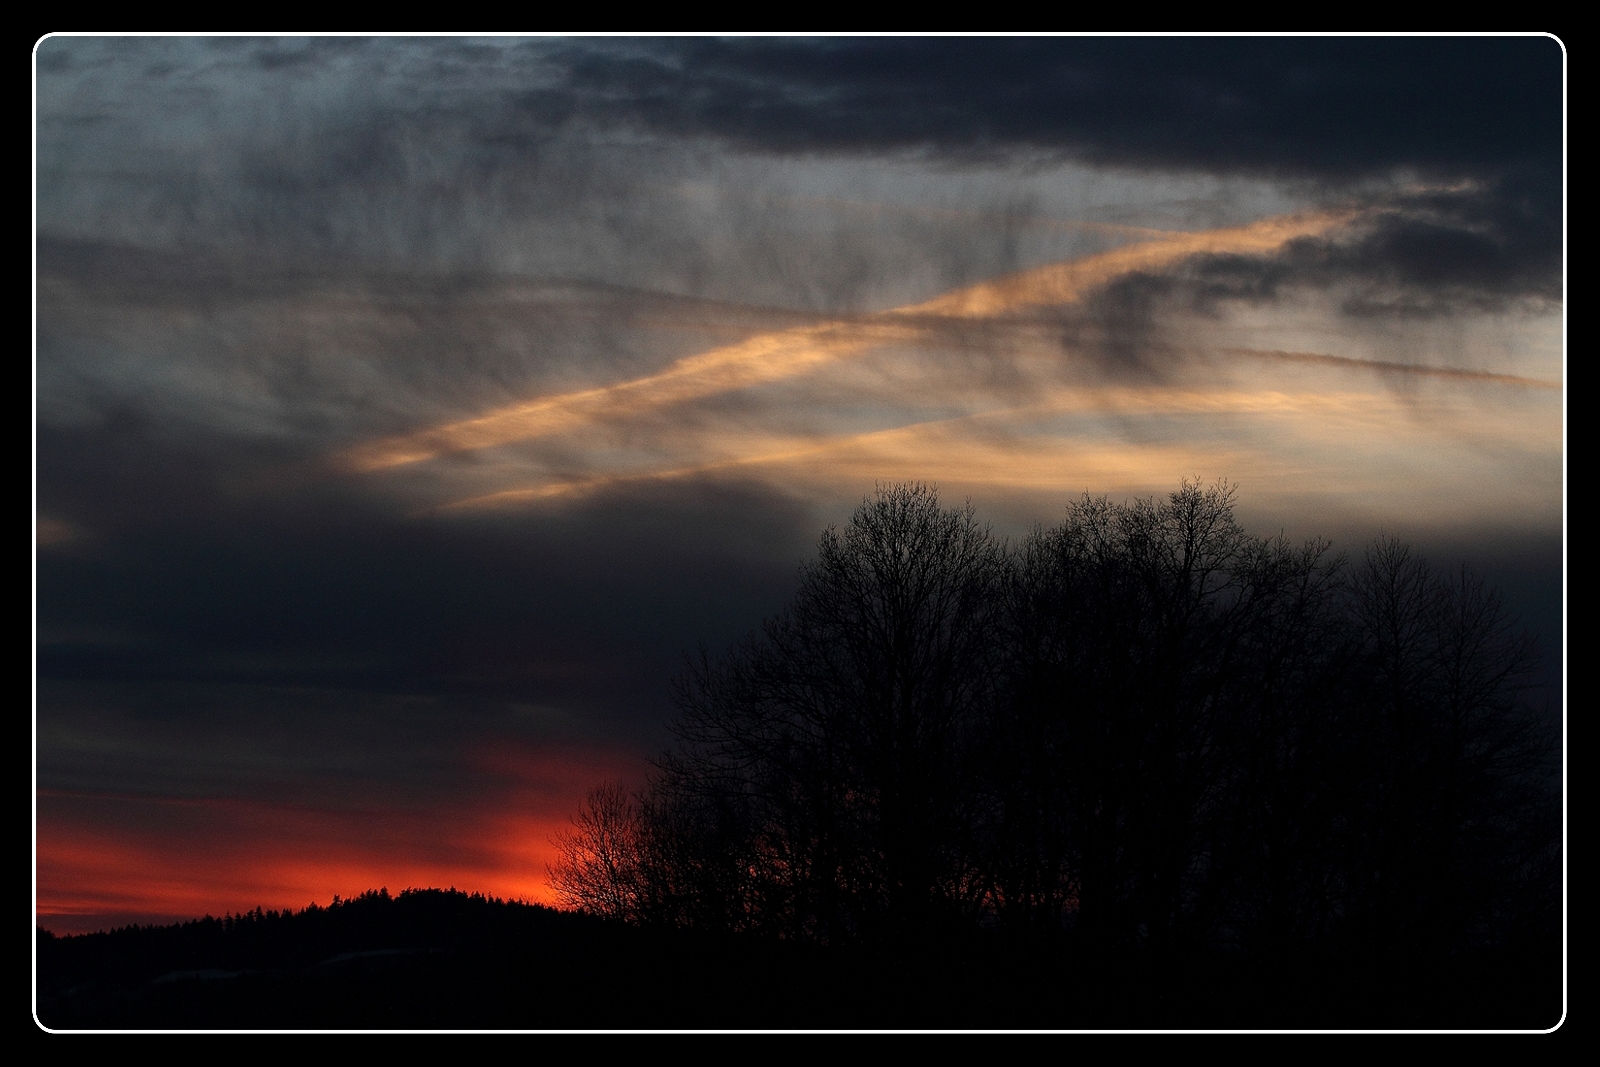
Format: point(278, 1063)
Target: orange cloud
point(1058, 443)
point(779, 355)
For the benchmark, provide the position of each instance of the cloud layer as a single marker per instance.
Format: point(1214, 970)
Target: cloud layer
point(390, 388)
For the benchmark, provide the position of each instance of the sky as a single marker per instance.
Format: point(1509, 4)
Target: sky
point(407, 409)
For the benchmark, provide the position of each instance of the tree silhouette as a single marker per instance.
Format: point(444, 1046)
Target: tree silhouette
point(600, 861)
point(1142, 728)
point(1457, 769)
point(844, 732)
point(1156, 652)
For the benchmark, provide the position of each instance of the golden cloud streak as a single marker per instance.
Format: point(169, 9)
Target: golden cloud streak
point(1272, 437)
point(1070, 282)
point(779, 355)
point(994, 447)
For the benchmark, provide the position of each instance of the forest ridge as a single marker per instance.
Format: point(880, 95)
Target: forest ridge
point(1144, 726)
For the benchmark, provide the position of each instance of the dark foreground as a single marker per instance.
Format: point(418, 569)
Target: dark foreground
point(445, 960)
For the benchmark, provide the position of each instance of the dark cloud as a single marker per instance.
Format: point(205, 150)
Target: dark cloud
point(1443, 251)
point(1487, 111)
point(455, 156)
point(1435, 252)
point(1438, 253)
point(1313, 106)
point(197, 739)
point(448, 126)
point(203, 560)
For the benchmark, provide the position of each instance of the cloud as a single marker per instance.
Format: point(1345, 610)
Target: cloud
point(1307, 105)
point(1433, 252)
point(213, 562)
point(498, 154)
point(1310, 106)
point(804, 350)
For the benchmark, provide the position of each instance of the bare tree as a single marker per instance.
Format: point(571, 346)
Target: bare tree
point(844, 728)
point(1156, 651)
point(600, 862)
point(1460, 763)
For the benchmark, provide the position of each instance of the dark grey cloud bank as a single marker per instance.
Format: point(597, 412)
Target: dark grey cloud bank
point(253, 252)
point(440, 153)
point(1320, 108)
point(1331, 111)
point(205, 561)
point(1311, 106)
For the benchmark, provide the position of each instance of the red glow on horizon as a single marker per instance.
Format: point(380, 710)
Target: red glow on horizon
point(104, 861)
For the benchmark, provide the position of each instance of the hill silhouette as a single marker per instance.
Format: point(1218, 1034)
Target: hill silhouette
point(445, 959)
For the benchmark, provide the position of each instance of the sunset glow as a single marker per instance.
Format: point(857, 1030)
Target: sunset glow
point(128, 858)
point(408, 409)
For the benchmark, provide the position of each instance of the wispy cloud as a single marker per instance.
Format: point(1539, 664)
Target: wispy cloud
point(1386, 366)
point(771, 357)
point(1068, 437)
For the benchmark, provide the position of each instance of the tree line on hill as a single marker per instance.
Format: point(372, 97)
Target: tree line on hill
point(426, 959)
point(1143, 729)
